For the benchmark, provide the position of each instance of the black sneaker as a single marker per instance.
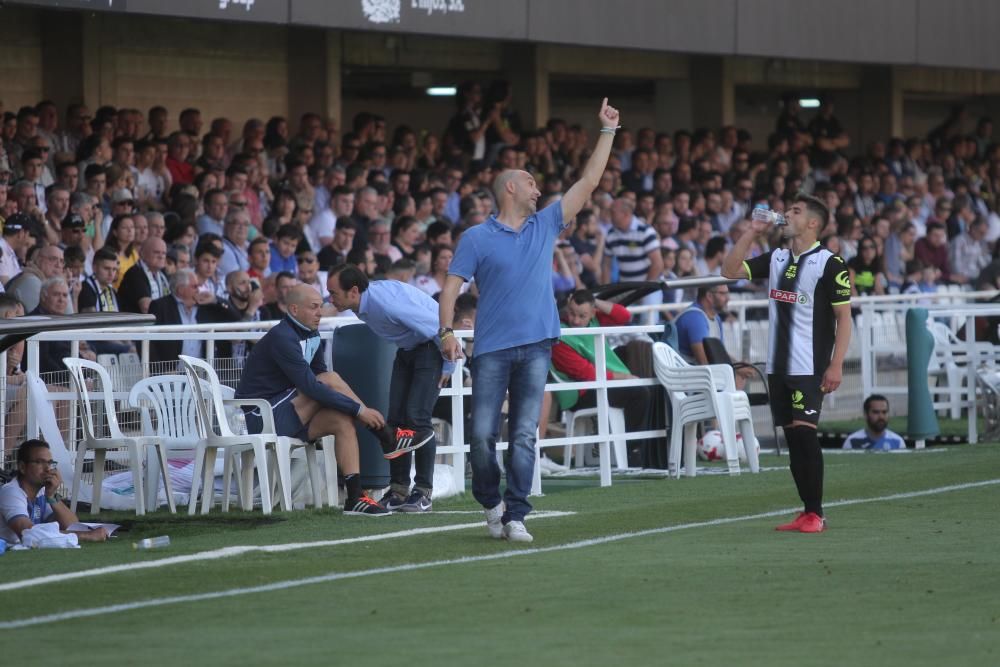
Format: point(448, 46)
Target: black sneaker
point(418, 501)
point(386, 437)
point(408, 440)
point(393, 501)
point(364, 505)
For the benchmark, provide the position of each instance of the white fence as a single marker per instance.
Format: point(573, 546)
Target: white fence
point(877, 337)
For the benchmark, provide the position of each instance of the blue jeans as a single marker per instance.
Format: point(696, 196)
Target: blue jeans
point(522, 371)
point(413, 391)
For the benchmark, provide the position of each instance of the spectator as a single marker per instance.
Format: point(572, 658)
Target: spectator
point(875, 435)
point(343, 241)
point(98, 292)
point(711, 262)
point(309, 273)
point(633, 244)
point(181, 306)
point(206, 265)
point(121, 239)
point(178, 151)
point(406, 236)
point(276, 309)
point(38, 479)
point(588, 242)
point(365, 213)
point(865, 269)
point(44, 263)
point(932, 250)
point(216, 207)
point(259, 259)
point(57, 207)
point(145, 281)
point(364, 260)
point(433, 282)
point(234, 243)
point(54, 300)
point(970, 252)
point(71, 232)
point(286, 240)
point(14, 245)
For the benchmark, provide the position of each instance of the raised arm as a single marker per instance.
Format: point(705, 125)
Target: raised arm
point(733, 264)
point(579, 194)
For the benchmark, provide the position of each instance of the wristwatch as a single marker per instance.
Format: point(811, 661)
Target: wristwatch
point(54, 500)
point(443, 332)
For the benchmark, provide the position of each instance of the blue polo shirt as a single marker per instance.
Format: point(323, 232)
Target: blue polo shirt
point(513, 271)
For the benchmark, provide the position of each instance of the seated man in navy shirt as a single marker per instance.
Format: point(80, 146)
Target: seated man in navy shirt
point(286, 368)
point(875, 435)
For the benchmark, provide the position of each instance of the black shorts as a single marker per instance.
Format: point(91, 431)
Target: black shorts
point(795, 398)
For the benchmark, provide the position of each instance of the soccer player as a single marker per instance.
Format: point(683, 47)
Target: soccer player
point(810, 318)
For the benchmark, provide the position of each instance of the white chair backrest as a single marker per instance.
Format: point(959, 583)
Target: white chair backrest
point(173, 403)
point(208, 395)
point(77, 369)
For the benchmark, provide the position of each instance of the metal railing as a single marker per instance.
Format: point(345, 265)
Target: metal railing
point(861, 377)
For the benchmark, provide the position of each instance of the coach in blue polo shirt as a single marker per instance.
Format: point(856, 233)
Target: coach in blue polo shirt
point(510, 258)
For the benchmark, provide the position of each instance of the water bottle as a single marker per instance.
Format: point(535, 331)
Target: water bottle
point(152, 543)
point(763, 213)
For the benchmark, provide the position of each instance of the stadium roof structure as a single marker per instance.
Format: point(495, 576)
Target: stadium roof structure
point(15, 330)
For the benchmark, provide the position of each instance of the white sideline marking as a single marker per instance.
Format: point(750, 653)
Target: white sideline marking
point(337, 576)
point(227, 552)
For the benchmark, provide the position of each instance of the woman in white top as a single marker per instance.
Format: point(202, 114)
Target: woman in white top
point(433, 282)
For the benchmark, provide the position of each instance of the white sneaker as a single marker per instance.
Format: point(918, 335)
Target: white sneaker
point(493, 523)
point(516, 532)
point(548, 466)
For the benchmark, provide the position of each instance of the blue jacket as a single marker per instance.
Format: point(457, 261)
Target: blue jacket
point(277, 364)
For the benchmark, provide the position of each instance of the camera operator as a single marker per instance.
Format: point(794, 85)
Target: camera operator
point(37, 479)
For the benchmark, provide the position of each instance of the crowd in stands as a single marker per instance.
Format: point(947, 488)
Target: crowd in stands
point(195, 221)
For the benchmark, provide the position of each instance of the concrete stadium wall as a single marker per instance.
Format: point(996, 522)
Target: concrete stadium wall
point(247, 69)
point(20, 58)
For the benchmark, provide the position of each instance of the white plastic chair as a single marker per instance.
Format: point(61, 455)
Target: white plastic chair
point(116, 439)
point(171, 400)
point(698, 393)
point(212, 414)
point(616, 426)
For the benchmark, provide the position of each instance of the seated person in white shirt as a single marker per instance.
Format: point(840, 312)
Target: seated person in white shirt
point(31, 498)
point(875, 435)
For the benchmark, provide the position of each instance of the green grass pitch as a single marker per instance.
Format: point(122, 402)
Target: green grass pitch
point(906, 581)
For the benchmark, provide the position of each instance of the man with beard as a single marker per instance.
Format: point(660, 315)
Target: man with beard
point(875, 435)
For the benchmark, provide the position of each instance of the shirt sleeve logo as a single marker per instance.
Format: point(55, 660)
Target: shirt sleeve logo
point(843, 280)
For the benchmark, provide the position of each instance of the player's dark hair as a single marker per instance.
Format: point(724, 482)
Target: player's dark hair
point(815, 207)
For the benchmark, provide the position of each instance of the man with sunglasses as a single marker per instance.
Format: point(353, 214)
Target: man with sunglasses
point(31, 498)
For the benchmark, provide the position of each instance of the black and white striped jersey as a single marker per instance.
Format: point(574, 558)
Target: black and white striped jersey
point(802, 292)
